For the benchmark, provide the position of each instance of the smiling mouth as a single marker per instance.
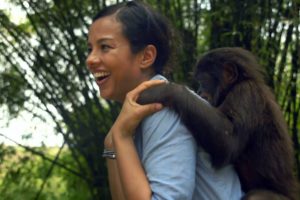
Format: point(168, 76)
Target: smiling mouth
point(99, 76)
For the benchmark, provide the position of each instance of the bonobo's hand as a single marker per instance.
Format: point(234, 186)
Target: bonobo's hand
point(163, 93)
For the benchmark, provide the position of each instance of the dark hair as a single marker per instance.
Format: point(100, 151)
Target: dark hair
point(246, 62)
point(143, 26)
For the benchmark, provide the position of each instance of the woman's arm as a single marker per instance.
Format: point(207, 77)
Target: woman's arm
point(132, 176)
point(116, 189)
point(126, 174)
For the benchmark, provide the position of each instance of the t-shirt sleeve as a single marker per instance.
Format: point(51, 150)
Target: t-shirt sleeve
point(169, 156)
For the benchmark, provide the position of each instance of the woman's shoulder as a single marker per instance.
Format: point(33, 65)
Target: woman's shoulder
point(164, 124)
point(159, 77)
point(163, 117)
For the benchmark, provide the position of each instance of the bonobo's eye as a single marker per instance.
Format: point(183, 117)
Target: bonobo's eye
point(202, 92)
point(207, 86)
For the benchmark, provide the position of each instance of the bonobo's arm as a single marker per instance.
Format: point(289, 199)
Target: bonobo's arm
point(210, 127)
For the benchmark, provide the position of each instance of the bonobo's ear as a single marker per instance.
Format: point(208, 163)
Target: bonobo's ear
point(230, 73)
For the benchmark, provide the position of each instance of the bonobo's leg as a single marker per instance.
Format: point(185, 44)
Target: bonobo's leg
point(210, 127)
point(263, 195)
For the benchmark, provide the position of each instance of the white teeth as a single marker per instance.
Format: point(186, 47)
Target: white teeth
point(100, 74)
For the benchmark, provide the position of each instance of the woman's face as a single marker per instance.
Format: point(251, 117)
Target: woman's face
point(116, 69)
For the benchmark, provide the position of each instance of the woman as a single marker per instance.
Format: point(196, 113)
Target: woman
point(129, 44)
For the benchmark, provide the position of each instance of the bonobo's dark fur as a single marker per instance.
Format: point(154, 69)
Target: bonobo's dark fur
point(242, 124)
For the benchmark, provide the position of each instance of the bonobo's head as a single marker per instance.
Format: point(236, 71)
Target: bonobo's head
point(219, 70)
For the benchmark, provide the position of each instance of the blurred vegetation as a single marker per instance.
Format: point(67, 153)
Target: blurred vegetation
point(22, 176)
point(43, 72)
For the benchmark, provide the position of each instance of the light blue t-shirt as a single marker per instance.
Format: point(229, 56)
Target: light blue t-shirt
point(176, 168)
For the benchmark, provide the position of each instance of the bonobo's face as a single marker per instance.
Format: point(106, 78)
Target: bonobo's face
point(208, 87)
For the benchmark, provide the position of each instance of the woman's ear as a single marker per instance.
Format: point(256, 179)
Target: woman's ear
point(148, 56)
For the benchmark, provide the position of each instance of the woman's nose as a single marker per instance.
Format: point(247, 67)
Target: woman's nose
point(92, 60)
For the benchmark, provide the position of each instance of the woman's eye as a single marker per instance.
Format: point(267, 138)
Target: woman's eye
point(89, 50)
point(105, 47)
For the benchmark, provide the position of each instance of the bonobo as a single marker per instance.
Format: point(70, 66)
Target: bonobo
point(242, 123)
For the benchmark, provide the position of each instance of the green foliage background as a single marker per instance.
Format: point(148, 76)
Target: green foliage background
point(43, 72)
